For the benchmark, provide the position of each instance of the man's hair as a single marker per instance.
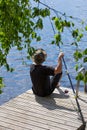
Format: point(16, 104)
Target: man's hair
point(39, 56)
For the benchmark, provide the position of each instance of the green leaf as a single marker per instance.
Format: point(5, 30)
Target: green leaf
point(75, 33)
point(73, 24)
point(0, 91)
point(77, 55)
point(80, 77)
point(2, 34)
point(56, 20)
point(59, 24)
point(30, 52)
point(33, 35)
point(36, 12)
point(70, 16)
point(78, 39)
point(1, 84)
point(67, 24)
point(85, 52)
point(19, 48)
point(7, 67)
point(11, 69)
point(86, 28)
point(53, 42)
point(57, 38)
point(85, 59)
point(85, 77)
point(38, 38)
point(76, 67)
point(45, 12)
point(39, 24)
point(80, 35)
point(53, 18)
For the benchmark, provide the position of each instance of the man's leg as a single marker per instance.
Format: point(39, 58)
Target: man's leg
point(54, 81)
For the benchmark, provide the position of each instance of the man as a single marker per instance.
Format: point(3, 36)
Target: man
point(40, 74)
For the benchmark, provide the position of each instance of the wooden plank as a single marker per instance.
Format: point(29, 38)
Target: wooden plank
point(8, 126)
point(29, 112)
point(42, 118)
point(18, 125)
point(4, 128)
point(63, 102)
point(23, 105)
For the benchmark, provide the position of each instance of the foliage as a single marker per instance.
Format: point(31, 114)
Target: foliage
point(1, 84)
point(17, 26)
point(19, 22)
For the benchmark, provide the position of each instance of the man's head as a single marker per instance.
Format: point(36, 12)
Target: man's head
point(39, 56)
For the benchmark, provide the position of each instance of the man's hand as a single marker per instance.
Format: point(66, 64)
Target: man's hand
point(61, 54)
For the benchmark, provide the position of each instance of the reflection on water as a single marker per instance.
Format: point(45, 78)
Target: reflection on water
point(19, 81)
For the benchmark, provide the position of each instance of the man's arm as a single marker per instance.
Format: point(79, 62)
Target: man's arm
point(58, 68)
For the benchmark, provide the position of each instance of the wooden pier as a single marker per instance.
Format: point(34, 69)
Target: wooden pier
point(56, 112)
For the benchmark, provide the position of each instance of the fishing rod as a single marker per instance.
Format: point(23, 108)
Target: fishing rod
point(83, 126)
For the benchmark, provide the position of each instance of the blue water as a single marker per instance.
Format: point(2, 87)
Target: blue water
point(19, 81)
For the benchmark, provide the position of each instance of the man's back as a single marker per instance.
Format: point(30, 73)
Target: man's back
point(40, 76)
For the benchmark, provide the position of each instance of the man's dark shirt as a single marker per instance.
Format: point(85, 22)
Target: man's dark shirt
point(40, 77)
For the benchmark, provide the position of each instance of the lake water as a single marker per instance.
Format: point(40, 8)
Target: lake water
point(19, 81)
